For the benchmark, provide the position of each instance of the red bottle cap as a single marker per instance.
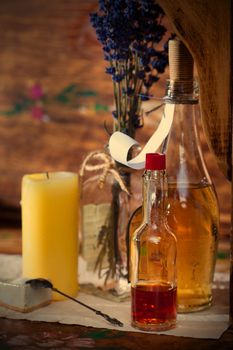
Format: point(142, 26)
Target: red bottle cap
point(155, 161)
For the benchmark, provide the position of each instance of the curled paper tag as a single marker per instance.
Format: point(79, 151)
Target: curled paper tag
point(120, 144)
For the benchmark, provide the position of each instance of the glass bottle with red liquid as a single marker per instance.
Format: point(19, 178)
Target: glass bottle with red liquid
point(153, 255)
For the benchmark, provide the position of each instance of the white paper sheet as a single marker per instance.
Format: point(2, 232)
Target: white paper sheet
point(206, 324)
point(120, 144)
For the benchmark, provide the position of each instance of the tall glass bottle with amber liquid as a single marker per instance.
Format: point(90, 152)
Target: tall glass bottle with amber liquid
point(153, 255)
point(193, 213)
point(193, 208)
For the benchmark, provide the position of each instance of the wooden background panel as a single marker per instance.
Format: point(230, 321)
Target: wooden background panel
point(48, 43)
point(206, 29)
point(51, 43)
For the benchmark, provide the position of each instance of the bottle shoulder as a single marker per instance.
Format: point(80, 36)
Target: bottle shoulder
point(152, 231)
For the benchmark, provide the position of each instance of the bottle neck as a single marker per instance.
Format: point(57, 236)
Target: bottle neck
point(154, 196)
point(185, 162)
point(183, 92)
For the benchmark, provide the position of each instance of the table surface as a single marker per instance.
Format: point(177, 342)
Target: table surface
point(28, 335)
point(19, 334)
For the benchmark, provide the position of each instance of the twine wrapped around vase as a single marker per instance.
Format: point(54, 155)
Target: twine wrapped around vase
point(106, 164)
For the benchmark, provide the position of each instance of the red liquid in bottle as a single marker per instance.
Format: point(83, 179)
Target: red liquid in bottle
point(153, 307)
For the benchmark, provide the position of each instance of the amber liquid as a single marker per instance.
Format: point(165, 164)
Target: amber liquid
point(153, 307)
point(193, 218)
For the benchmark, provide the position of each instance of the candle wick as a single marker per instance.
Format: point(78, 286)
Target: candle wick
point(47, 174)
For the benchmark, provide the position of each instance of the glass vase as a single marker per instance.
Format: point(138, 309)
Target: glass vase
point(104, 215)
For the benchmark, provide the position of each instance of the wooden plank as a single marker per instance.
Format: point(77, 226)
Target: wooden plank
point(27, 335)
point(204, 26)
point(48, 43)
point(10, 241)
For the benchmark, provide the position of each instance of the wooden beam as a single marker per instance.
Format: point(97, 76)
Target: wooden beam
point(204, 26)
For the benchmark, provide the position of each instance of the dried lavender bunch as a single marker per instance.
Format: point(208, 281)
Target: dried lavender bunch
point(129, 31)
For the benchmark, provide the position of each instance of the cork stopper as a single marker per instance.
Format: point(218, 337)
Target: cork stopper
point(180, 61)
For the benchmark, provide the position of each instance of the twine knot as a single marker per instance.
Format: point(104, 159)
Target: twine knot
point(107, 164)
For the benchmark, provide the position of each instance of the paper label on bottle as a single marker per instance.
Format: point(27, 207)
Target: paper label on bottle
point(120, 144)
point(95, 217)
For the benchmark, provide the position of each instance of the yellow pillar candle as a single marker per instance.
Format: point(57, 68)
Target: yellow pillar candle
point(49, 229)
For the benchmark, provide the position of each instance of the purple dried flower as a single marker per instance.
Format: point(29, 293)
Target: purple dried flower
point(141, 74)
point(110, 70)
point(118, 77)
point(129, 31)
point(145, 97)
